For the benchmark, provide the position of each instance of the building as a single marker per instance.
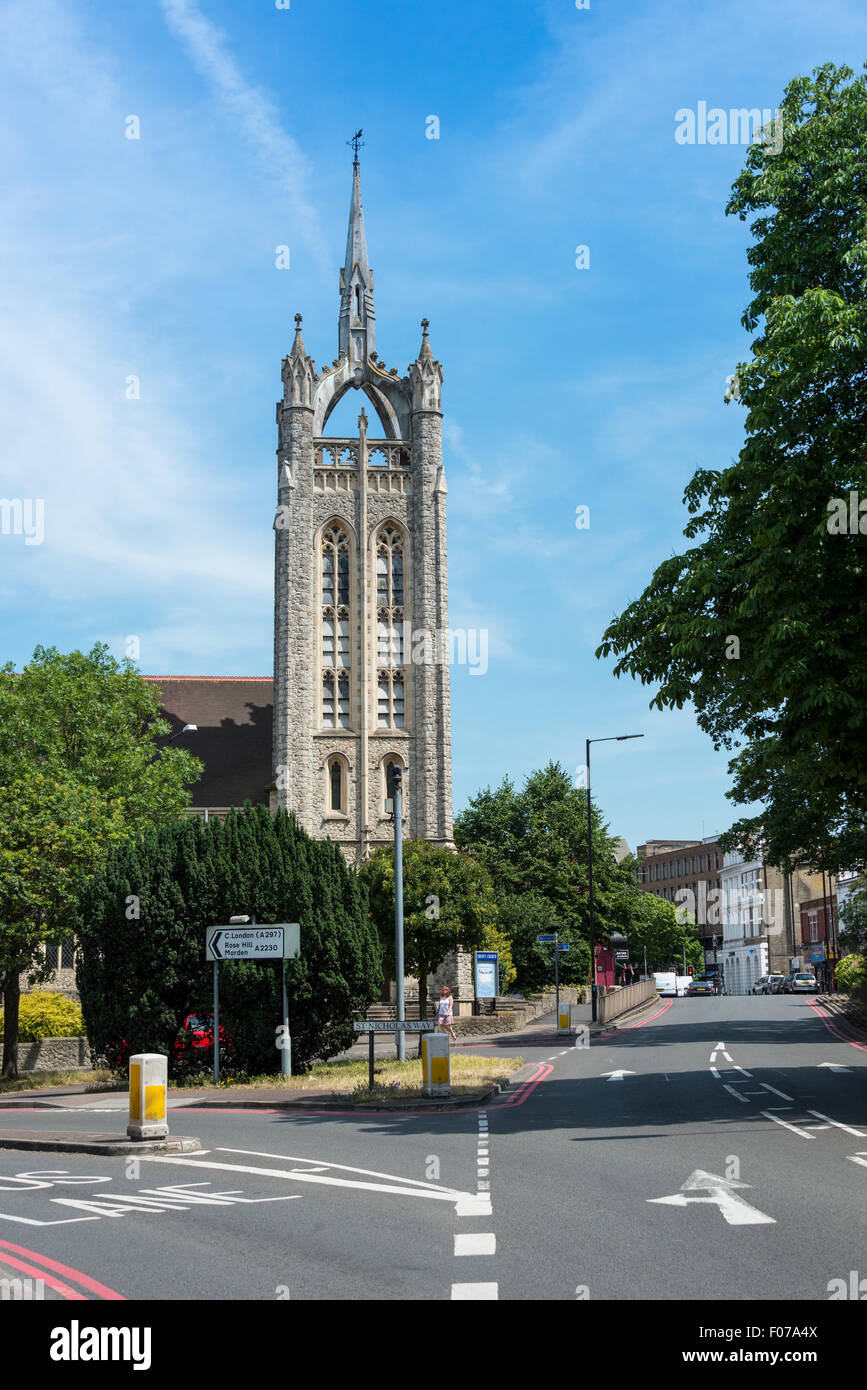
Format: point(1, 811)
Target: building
point(686, 873)
point(760, 919)
point(361, 642)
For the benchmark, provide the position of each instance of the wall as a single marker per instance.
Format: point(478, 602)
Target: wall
point(54, 1054)
point(620, 1001)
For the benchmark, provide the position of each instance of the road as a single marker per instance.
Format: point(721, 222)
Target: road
point(715, 1150)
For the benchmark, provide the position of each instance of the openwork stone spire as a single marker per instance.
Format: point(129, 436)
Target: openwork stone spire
point(357, 329)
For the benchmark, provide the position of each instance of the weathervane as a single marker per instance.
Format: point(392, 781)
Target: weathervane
point(355, 142)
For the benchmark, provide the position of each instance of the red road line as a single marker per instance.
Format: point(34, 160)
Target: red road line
point(832, 1028)
point(641, 1022)
point(526, 1088)
point(75, 1275)
point(56, 1284)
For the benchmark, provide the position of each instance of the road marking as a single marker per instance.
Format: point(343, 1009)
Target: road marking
point(858, 1158)
point(475, 1206)
point(718, 1192)
point(715, 1072)
point(293, 1175)
point(735, 1093)
point(462, 1293)
point(785, 1123)
point(848, 1128)
point(476, 1244)
point(834, 1066)
point(743, 1073)
point(782, 1094)
point(342, 1167)
point(92, 1285)
point(618, 1075)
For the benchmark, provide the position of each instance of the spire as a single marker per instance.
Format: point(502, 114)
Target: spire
point(425, 354)
point(357, 329)
point(298, 348)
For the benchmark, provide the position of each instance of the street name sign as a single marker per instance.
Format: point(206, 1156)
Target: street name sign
point(277, 941)
point(546, 938)
point(392, 1026)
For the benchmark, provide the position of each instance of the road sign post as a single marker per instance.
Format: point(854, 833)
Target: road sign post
point(399, 1026)
point(245, 939)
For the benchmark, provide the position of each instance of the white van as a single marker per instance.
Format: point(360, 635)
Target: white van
point(668, 983)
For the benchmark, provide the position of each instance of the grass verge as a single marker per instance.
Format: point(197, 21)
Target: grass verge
point(100, 1080)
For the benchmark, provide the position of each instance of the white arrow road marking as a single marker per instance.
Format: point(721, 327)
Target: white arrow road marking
point(834, 1066)
point(412, 1188)
point(717, 1192)
point(618, 1075)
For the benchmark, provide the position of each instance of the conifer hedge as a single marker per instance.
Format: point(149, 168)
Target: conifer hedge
point(141, 941)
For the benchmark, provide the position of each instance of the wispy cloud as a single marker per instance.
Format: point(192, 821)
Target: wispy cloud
point(277, 152)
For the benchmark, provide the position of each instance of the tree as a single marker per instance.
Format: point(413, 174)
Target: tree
point(523, 918)
point(658, 926)
point(761, 623)
point(141, 932)
point(448, 905)
point(535, 841)
point(853, 920)
point(80, 770)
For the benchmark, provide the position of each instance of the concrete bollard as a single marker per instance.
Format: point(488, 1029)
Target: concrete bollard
point(436, 1075)
point(148, 1077)
point(564, 1019)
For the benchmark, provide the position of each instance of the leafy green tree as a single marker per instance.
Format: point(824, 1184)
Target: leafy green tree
point(853, 919)
point(141, 932)
point(523, 918)
point(80, 770)
point(761, 622)
point(655, 926)
point(448, 905)
point(535, 841)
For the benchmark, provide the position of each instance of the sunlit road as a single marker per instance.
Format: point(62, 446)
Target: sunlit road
point(716, 1150)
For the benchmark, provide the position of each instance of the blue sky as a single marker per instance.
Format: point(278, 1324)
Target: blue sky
point(563, 387)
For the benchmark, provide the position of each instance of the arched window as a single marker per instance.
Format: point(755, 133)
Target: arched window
point(391, 698)
point(336, 786)
point(335, 619)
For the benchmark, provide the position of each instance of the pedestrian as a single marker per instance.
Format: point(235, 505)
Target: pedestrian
point(445, 1013)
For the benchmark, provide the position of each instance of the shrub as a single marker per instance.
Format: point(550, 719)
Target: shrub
point(850, 972)
point(141, 942)
point(44, 1014)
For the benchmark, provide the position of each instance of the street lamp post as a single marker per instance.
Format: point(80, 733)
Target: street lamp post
point(618, 738)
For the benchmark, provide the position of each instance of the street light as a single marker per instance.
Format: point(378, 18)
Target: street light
point(617, 738)
point(187, 729)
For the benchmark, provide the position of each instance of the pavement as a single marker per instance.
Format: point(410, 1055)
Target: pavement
point(712, 1149)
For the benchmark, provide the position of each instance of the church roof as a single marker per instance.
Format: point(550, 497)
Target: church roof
point(234, 715)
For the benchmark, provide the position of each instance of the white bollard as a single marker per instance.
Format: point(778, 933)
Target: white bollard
point(564, 1019)
point(148, 1074)
point(436, 1076)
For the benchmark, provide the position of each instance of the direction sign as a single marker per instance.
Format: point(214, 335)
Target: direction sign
point(563, 946)
point(392, 1026)
point(280, 941)
point(546, 938)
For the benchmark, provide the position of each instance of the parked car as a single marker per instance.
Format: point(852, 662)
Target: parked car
point(803, 982)
point(775, 984)
point(194, 1040)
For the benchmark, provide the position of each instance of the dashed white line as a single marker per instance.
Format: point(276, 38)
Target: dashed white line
point(481, 1243)
point(782, 1094)
point(462, 1293)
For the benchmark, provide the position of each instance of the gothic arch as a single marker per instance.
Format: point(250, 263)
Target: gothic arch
point(388, 401)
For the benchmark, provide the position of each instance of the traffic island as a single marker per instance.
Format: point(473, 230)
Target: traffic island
point(82, 1142)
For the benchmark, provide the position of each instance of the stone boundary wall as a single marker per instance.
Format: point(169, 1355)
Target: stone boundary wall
point(611, 1003)
point(54, 1054)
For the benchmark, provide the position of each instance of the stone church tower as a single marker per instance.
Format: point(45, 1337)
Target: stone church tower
point(361, 675)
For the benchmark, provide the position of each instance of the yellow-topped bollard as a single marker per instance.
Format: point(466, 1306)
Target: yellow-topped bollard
point(564, 1019)
point(436, 1075)
point(148, 1080)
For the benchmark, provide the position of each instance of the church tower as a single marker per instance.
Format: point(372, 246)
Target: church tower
point(361, 674)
